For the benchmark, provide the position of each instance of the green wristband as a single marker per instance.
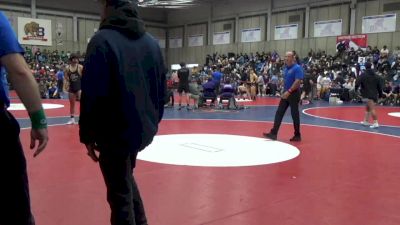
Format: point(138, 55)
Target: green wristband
point(38, 119)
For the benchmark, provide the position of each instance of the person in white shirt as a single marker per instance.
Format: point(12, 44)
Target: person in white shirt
point(350, 85)
point(384, 52)
point(325, 85)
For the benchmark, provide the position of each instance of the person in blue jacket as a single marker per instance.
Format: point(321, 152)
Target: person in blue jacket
point(15, 208)
point(123, 92)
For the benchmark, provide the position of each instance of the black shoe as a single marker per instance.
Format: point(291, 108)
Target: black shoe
point(270, 136)
point(295, 138)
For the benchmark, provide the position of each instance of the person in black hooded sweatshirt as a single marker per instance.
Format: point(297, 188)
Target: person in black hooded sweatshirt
point(122, 103)
point(371, 90)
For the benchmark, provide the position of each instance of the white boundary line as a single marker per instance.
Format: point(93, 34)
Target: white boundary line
point(312, 125)
point(254, 121)
point(327, 118)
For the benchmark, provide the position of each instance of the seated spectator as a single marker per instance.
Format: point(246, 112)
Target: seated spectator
point(273, 84)
point(228, 93)
point(209, 90)
point(388, 95)
point(350, 86)
point(195, 92)
point(325, 86)
point(53, 91)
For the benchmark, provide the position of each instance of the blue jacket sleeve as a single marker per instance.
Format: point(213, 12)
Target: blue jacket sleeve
point(8, 40)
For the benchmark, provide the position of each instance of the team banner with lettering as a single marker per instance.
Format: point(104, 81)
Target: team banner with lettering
point(196, 40)
point(328, 28)
point(34, 31)
point(221, 38)
point(354, 41)
point(175, 43)
point(251, 35)
point(284, 32)
point(378, 24)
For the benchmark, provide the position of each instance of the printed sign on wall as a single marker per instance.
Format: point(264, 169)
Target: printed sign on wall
point(378, 24)
point(251, 35)
point(284, 32)
point(328, 28)
point(175, 43)
point(34, 31)
point(196, 40)
point(221, 38)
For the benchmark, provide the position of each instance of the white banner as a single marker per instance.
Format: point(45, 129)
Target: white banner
point(196, 40)
point(221, 38)
point(251, 35)
point(162, 43)
point(34, 31)
point(175, 43)
point(284, 32)
point(328, 28)
point(378, 24)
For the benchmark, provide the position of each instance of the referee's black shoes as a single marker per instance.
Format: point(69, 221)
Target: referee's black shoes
point(270, 136)
point(296, 138)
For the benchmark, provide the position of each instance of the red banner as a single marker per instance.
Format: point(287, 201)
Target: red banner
point(355, 41)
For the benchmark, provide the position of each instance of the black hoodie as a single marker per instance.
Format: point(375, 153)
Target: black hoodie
point(123, 84)
point(371, 85)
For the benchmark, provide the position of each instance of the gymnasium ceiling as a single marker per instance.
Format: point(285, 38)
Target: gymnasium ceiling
point(90, 6)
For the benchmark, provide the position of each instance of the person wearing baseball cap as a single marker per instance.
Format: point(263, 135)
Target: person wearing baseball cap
point(123, 92)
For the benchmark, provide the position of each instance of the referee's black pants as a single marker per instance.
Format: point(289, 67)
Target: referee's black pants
point(122, 191)
point(15, 206)
point(293, 101)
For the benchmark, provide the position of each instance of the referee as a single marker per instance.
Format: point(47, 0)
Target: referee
point(293, 74)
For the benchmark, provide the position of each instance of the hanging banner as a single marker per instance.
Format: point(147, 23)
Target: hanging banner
point(221, 38)
point(354, 41)
point(284, 32)
point(162, 43)
point(175, 43)
point(378, 24)
point(328, 28)
point(251, 35)
point(196, 40)
point(34, 31)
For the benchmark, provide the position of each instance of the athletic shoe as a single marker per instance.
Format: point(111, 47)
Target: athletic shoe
point(374, 125)
point(364, 123)
point(71, 121)
point(270, 136)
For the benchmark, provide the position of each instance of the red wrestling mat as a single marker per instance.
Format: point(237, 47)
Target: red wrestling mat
point(334, 180)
